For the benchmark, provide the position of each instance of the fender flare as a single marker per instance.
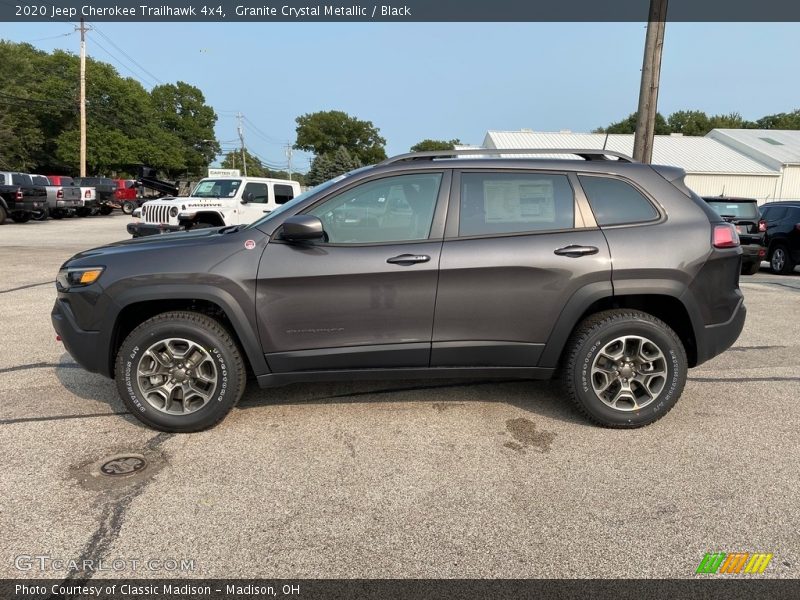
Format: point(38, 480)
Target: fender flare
point(243, 327)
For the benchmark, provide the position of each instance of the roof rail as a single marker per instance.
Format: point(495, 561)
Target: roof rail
point(586, 154)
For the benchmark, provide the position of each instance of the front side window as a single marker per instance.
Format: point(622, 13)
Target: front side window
point(507, 203)
point(258, 193)
point(394, 209)
point(615, 202)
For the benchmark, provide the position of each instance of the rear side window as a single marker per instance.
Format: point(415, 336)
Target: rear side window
point(283, 193)
point(615, 202)
point(504, 203)
point(775, 213)
point(21, 179)
point(2, 179)
point(40, 180)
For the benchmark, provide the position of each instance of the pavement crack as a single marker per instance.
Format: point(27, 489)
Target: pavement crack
point(111, 521)
point(61, 417)
point(40, 365)
point(25, 287)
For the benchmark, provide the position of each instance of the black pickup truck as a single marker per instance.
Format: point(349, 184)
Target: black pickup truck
point(20, 199)
point(105, 189)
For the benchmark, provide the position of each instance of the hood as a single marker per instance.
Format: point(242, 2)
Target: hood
point(158, 243)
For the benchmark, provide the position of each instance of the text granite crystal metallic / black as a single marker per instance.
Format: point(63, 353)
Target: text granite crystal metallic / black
point(608, 272)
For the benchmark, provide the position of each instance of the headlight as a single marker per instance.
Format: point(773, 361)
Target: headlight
point(173, 212)
point(77, 277)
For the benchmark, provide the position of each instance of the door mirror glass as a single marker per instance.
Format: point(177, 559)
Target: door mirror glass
point(247, 197)
point(301, 228)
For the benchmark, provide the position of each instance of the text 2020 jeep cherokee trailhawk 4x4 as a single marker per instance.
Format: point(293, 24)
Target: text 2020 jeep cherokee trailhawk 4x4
point(426, 265)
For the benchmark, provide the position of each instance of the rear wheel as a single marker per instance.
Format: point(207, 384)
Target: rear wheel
point(624, 368)
point(3, 215)
point(83, 211)
point(41, 215)
point(106, 209)
point(780, 261)
point(751, 268)
point(58, 213)
point(180, 372)
point(128, 207)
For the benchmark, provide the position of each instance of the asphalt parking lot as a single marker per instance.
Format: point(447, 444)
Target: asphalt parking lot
point(399, 479)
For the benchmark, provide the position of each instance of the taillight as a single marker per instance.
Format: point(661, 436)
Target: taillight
point(87, 194)
point(60, 194)
point(725, 236)
point(20, 195)
point(762, 225)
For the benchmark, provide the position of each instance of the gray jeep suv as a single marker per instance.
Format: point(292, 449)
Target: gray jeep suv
point(437, 264)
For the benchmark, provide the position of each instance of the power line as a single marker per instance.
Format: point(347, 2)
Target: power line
point(120, 63)
point(267, 137)
point(128, 56)
point(50, 37)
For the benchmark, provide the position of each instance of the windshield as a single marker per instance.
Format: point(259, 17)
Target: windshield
point(307, 194)
point(740, 210)
point(216, 188)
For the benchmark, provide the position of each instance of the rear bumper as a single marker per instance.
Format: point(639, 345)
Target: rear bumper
point(67, 204)
point(143, 229)
point(753, 252)
point(28, 206)
point(83, 346)
point(715, 339)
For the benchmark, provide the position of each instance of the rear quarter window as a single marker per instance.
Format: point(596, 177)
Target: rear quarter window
point(616, 202)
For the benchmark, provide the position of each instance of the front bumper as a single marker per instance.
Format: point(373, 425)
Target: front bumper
point(83, 346)
point(143, 229)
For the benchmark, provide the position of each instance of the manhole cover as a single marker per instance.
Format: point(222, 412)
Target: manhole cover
point(123, 465)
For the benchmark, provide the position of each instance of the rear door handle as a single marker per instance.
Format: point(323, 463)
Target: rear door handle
point(408, 259)
point(576, 251)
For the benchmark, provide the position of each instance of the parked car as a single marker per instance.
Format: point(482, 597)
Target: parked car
point(425, 265)
point(104, 191)
point(215, 202)
point(744, 214)
point(126, 195)
point(782, 237)
point(88, 205)
point(22, 199)
point(63, 199)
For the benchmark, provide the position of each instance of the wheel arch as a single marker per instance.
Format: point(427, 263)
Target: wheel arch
point(212, 217)
point(666, 301)
point(136, 308)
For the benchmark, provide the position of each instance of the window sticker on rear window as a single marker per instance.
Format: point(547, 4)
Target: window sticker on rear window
point(515, 201)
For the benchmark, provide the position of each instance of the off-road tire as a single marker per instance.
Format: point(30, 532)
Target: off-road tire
point(3, 215)
point(204, 331)
point(42, 215)
point(600, 329)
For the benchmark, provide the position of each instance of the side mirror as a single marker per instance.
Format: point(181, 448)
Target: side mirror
point(301, 228)
point(247, 197)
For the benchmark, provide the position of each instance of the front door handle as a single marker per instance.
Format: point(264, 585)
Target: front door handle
point(576, 251)
point(408, 259)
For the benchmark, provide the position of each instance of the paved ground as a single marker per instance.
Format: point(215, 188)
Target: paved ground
point(400, 479)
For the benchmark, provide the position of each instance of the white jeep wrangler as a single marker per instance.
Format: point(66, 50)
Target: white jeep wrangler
point(214, 202)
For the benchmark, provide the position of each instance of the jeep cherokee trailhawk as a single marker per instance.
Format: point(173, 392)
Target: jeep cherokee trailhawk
point(436, 264)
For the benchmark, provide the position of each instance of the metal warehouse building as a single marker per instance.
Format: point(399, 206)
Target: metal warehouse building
point(714, 165)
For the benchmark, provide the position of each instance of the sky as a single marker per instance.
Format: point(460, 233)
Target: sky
point(442, 80)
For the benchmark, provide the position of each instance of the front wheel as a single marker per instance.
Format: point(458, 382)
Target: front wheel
point(780, 262)
point(180, 372)
point(624, 368)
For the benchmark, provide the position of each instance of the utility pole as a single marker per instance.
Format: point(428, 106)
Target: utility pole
point(289, 157)
point(651, 75)
point(83, 29)
point(241, 139)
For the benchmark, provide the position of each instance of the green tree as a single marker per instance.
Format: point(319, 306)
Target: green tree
point(789, 120)
point(181, 109)
point(628, 125)
point(689, 122)
point(327, 166)
point(324, 132)
point(255, 168)
point(428, 145)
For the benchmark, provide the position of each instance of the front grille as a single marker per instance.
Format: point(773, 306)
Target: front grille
point(155, 214)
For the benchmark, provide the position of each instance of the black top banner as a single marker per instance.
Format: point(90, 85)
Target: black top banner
point(396, 11)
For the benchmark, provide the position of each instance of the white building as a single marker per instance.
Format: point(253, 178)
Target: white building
point(713, 167)
point(776, 148)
